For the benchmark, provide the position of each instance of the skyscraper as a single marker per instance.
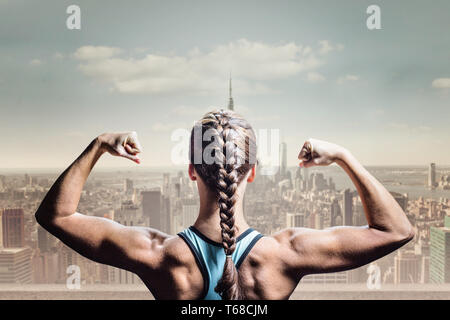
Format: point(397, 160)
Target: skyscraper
point(128, 186)
point(440, 253)
point(166, 184)
point(1, 229)
point(348, 207)
point(166, 213)
point(15, 265)
point(43, 239)
point(151, 208)
point(295, 220)
point(230, 101)
point(432, 175)
point(406, 267)
point(335, 214)
point(2, 183)
point(283, 160)
point(128, 214)
point(13, 228)
point(402, 199)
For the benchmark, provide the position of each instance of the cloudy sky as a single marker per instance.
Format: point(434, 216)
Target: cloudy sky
point(307, 68)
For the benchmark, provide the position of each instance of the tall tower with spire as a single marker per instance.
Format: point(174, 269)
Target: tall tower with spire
point(230, 101)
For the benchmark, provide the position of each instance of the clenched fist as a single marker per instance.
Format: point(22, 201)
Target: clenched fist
point(123, 144)
point(319, 153)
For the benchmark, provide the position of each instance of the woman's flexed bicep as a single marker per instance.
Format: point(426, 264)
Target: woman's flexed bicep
point(335, 249)
point(108, 242)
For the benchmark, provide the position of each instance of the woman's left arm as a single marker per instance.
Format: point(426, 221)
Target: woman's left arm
point(346, 247)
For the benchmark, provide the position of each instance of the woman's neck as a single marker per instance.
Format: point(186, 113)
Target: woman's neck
point(208, 220)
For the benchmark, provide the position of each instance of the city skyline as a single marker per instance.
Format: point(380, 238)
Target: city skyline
point(296, 197)
point(309, 70)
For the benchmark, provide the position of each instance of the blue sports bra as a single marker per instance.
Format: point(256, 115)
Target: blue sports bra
point(210, 256)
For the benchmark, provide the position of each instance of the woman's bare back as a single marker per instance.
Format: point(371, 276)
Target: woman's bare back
point(263, 273)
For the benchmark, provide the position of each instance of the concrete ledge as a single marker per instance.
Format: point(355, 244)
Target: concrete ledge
point(303, 292)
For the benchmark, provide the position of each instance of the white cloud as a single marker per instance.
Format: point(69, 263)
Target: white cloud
point(441, 83)
point(58, 56)
point(252, 65)
point(35, 62)
point(347, 78)
point(326, 47)
point(96, 52)
point(315, 77)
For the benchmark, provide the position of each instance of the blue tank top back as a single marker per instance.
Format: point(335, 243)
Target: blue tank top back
point(210, 256)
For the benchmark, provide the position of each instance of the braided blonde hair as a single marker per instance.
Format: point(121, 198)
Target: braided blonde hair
point(233, 150)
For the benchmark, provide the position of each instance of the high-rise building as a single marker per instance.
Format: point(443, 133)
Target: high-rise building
point(43, 239)
point(424, 269)
point(359, 217)
point(402, 199)
point(128, 214)
point(230, 101)
point(178, 190)
point(45, 267)
point(15, 265)
point(166, 184)
point(406, 267)
point(2, 183)
point(348, 207)
point(422, 250)
point(151, 208)
point(440, 253)
point(432, 175)
point(318, 182)
point(283, 160)
point(335, 214)
point(166, 213)
point(13, 228)
point(1, 229)
point(128, 187)
point(295, 220)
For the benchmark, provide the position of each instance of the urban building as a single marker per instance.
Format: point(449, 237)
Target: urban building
point(294, 220)
point(15, 265)
point(440, 253)
point(432, 175)
point(406, 267)
point(151, 207)
point(13, 228)
point(348, 207)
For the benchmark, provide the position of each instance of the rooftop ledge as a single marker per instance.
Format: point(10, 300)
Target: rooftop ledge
point(303, 292)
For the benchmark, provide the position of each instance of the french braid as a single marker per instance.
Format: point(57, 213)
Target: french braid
point(234, 153)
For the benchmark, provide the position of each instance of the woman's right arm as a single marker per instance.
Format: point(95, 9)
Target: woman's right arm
point(96, 238)
point(345, 247)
